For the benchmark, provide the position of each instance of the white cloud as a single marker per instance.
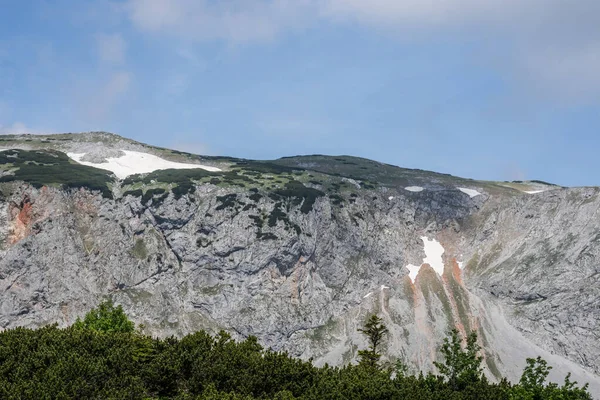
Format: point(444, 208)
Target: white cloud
point(111, 48)
point(240, 20)
point(191, 57)
point(236, 21)
point(391, 12)
point(427, 13)
point(99, 99)
point(118, 84)
point(176, 84)
point(18, 128)
point(5, 110)
point(573, 72)
point(14, 129)
point(541, 16)
point(549, 45)
point(99, 103)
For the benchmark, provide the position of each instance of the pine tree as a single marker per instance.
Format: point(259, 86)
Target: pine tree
point(374, 330)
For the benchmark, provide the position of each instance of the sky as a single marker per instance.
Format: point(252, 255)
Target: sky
point(495, 89)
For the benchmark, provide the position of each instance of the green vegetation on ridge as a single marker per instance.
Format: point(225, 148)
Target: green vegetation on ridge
point(326, 174)
point(52, 168)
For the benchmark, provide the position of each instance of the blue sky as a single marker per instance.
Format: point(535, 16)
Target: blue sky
point(501, 89)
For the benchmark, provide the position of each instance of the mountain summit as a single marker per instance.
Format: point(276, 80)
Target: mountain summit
point(299, 251)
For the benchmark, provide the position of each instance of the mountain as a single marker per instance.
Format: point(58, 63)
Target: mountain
point(299, 251)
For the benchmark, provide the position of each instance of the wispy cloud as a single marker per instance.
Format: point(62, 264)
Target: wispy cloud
point(5, 111)
point(176, 84)
point(14, 129)
point(191, 57)
point(235, 21)
point(18, 128)
point(553, 46)
point(111, 48)
point(417, 13)
point(98, 98)
point(569, 73)
point(102, 101)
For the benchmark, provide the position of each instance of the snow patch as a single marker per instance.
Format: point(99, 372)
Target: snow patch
point(414, 188)
point(135, 162)
point(433, 256)
point(433, 253)
point(384, 287)
point(461, 264)
point(367, 295)
point(391, 198)
point(533, 191)
point(471, 192)
point(413, 271)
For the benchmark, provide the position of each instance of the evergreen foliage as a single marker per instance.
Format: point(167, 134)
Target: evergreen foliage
point(105, 318)
point(299, 194)
point(102, 357)
point(374, 330)
point(52, 168)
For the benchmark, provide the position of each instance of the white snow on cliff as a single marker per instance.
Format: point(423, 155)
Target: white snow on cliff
point(471, 192)
point(534, 191)
point(433, 256)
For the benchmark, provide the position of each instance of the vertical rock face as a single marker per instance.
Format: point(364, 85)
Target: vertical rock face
point(540, 262)
point(523, 270)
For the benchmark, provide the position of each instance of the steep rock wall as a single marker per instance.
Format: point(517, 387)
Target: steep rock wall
point(222, 258)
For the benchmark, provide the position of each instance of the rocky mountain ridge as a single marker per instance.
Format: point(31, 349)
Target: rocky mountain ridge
point(298, 251)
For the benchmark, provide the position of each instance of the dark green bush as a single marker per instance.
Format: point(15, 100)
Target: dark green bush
point(300, 194)
point(183, 179)
point(134, 193)
point(87, 363)
point(105, 318)
point(227, 201)
point(54, 168)
point(265, 167)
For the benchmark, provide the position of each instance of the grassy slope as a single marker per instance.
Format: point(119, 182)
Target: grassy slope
point(52, 168)
point(291, 175)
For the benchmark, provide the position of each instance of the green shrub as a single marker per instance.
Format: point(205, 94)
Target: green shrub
point(227, 201)
point(54, 168)
point(134, 193)
point(299, 194)
point(106, 318)
point(104, 358)
point(181, 179)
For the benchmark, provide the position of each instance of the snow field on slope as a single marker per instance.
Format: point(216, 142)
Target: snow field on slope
point(534, 191)
point(433, 256)
point(135, 162)
point(471, 192)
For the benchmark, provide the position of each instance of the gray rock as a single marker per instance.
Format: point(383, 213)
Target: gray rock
point(530, 285)
point(99, 154)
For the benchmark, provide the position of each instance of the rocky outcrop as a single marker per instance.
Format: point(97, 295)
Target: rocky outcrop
point(520, 269)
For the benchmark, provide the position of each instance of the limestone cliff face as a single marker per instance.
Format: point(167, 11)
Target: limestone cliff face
point(304, 279)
